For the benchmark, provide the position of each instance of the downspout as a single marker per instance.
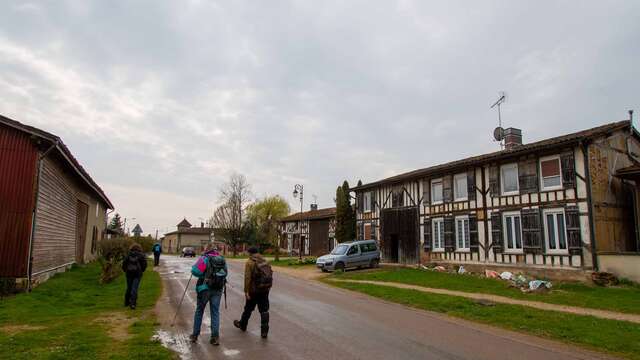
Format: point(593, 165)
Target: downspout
point(35, 210)
point(592, 234)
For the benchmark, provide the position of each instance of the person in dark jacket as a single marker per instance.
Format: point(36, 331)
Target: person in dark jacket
point(253, 296)
point(157, 250)
point(133, 265)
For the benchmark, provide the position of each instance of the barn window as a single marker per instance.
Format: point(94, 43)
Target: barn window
point(436, 191)
point(512, 231)
point(462, 233)
point(550, 173)
point(555, 231)
point(460, 189)
point(438, 234)
point(509, 179)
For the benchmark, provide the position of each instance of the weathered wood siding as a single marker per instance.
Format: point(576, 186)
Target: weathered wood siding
point(54, 242)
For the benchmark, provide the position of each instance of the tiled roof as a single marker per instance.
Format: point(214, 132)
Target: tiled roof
point(64, 151)
point(311, 215)
point(563, 140)
point(193, 230)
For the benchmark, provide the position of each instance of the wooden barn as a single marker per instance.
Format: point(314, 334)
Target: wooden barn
point(312, 232)
point(560, 206)
point(52, 213)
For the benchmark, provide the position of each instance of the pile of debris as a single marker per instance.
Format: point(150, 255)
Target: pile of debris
point(515, 280)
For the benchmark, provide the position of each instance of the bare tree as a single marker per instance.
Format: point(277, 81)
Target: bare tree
point(235, 196)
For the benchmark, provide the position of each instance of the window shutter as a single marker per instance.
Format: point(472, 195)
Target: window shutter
point(572, 220)
point(567, 164)
point(528, 176)
point(359, 197)
point(426, 191)
point(494, 180)
point(449, 234)
point(471, 184)
point(373, 232)
point(474, 244)
point(496, 232)
point(447, 188)
point(427, 235)
point(531, 231)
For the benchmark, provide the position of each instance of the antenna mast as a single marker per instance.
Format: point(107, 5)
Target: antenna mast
point(501, 99)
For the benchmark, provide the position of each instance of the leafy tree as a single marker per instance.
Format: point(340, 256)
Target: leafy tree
point(265, 215)
point(116, 223)
point(345, 215)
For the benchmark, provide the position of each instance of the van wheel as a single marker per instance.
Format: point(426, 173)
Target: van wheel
point(374, 263)
point(339, 266)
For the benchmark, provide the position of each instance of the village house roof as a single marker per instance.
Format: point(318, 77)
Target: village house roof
point(61, 148)
point(193, 231)
point(184, 223)
point(559, 141)
point(311, 215)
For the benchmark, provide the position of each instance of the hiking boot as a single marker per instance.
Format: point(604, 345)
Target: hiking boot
point(214, 341)
point(237, 324)
point(193, 338)
point(133, 306)
point(264, 333)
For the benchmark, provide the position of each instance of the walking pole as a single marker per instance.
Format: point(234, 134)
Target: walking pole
point(180, 304)
point(225, 295)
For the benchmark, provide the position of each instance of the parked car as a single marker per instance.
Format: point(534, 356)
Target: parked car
point(354, 254)
point(188, 252)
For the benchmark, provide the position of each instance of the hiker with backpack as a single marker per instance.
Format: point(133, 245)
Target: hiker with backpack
point(258, 279)
point(133, 265)
point(157, 250)
point(211, 271)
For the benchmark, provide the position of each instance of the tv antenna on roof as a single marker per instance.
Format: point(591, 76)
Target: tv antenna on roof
point(498, 133)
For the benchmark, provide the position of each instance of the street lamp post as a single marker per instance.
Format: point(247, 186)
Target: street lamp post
point(299, 189)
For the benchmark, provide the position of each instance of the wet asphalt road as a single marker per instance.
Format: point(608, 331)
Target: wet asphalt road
point(310, 320)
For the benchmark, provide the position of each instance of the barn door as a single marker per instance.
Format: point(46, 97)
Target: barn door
point(82, 214)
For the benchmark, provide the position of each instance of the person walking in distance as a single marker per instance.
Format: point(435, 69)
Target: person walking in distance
point(258, 279)
point(157, 250)
point(211, 271)
point(133, 265)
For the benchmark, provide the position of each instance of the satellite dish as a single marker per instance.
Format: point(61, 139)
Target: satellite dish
point(498, 133)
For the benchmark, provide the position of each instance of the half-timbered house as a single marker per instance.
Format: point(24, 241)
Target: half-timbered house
point(566, 204)
point(312, 232)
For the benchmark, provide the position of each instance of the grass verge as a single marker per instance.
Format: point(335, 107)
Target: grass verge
point(616, 337)
point(623, 298)
point(74, 316)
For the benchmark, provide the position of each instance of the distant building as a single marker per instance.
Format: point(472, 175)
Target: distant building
point(52, 213)
point(186, 235)
point(562, 206)
point(312, 231)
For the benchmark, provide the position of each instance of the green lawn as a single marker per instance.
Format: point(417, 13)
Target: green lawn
point(611, 336)
point(72, 316)
point(623, 299)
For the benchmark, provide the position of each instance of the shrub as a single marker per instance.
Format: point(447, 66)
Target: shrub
point(305, 261)
point(112, 251)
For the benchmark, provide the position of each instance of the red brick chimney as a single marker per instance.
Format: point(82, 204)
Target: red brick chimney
point(512, 138)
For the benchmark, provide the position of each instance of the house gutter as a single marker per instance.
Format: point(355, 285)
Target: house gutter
point(592, 233)
point(35, 211)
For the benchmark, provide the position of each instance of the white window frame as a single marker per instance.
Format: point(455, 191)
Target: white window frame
point(456, 196)
point(507, 249)
point(466, 236)
point(434, 226)
point(547, 158)
point(515, 192)
point(366, 199)
point(555, 212)
point(431, 183)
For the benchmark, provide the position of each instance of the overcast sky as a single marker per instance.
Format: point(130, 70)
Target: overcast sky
point(162, 101)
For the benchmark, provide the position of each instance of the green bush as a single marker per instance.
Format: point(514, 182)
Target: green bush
point(311, 260)
point(112, 252)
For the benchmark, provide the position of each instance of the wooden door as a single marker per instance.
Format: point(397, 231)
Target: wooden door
point(82, 215)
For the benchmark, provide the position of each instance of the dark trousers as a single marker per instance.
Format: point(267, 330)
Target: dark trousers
point(156, 259)
point(262, 301)
point(131, 295)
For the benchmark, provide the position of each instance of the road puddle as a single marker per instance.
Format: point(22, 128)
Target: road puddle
point(178, 343)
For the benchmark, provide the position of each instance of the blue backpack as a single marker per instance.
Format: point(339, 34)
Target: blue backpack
point(215, 275)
